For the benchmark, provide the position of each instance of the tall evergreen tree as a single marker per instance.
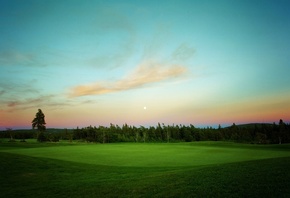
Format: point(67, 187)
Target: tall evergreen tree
point(39, 123)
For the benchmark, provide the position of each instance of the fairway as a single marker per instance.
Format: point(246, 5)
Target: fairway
point(155, 155)
point(144, 170)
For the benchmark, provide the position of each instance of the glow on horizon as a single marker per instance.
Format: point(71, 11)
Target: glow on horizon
point(174, 62)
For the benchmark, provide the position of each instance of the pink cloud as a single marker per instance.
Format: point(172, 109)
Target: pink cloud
point(143, 75)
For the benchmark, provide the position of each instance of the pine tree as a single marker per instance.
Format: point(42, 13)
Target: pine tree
point(39, 123)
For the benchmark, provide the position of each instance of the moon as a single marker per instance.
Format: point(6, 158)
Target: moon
point(145, 108)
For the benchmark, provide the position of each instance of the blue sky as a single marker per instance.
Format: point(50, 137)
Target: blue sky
point(100, 62)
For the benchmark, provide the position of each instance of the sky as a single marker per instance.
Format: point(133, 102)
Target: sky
point(139, 62)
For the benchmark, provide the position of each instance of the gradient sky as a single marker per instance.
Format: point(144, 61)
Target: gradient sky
point(188, 62)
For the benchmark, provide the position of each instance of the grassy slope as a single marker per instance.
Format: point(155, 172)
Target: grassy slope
point(24, 173)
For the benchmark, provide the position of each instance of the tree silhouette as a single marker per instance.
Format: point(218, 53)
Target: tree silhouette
point(39, 123)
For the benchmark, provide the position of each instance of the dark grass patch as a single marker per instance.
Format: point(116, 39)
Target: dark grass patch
point(24, 176)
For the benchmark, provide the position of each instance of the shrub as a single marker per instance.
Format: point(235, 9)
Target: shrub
point(41, 137)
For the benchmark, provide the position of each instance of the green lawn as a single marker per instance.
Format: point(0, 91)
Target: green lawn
point(198, 169)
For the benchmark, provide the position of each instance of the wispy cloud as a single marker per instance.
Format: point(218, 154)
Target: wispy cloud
point(2, 92)
point(143, 75)
point(16, 57)
point(12, 104)
point(183, 52)
point(111, 21)
point(51, 101)
point(12, 90)
point(11, 57)
point(28, 103)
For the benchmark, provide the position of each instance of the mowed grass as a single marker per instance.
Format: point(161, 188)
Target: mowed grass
point(199, 169)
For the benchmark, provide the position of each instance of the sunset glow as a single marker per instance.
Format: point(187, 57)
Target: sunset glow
point(99, 62)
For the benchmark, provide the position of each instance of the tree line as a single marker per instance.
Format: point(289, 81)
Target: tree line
point(251, 133)
point(254, 133)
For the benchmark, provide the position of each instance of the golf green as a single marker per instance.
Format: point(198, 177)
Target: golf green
point(197, 169)
point(155, 155)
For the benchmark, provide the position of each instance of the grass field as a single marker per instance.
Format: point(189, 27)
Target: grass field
point(198, 169)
